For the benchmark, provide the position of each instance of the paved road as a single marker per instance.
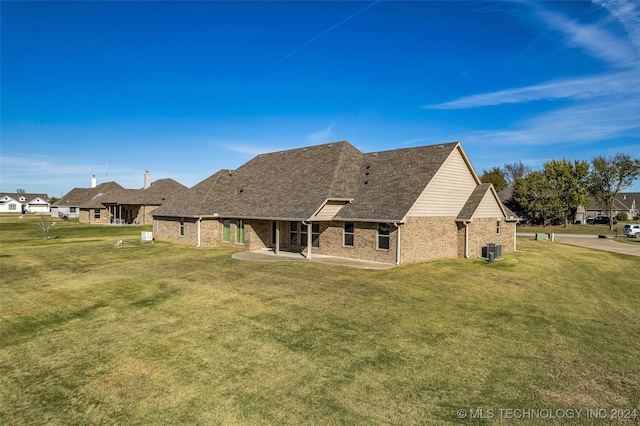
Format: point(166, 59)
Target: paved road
point(594, 242)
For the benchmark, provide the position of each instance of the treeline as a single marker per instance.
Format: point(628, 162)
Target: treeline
point(552, 195)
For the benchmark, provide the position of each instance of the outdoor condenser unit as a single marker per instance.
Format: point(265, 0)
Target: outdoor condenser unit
point(496, 249)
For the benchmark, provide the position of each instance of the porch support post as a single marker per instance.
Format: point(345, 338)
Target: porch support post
point(277, 248)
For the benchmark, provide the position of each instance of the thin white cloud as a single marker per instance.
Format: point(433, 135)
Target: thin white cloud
point(320, 136)
point(247, 149)
point(595, 40)
point(577, 88)
point(331, 28)
point(578, 125)
point(628, 14)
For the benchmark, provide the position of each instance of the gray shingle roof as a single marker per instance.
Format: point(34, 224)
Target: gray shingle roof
point(290, 184)
point(156, 194)
point(294, 184)
point(390, 182)
point(87, 197)
point(473, 202)
point(28, 197)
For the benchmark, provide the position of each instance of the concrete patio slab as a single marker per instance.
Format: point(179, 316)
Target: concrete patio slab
point(284, 256)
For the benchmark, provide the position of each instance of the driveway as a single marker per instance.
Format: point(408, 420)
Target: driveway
point(606, 244)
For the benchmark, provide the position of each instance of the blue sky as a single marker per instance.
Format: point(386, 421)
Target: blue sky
point(184, 89)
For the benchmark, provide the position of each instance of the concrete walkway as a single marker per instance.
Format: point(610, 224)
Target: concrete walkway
point(285, 256)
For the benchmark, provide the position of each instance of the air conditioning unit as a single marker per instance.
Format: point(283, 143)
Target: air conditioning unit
point(146, 236)
point(496, 249)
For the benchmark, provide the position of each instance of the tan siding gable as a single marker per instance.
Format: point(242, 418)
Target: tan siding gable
point(329, 210)
point(488, 207)
point(448, 191)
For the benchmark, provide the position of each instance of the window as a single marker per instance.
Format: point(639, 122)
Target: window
point(181, 233)
point(383, 236)
point(348, 234)
point(293, 233)
point(13, 206)
point(315, 235)
point(240, 231)
point(72, 209)
point(497, 227)
point(226, 231)
point(96, 214)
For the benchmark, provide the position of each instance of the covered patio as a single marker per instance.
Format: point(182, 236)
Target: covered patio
point(269, 255)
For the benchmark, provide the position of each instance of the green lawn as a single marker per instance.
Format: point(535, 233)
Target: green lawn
point(95, 333)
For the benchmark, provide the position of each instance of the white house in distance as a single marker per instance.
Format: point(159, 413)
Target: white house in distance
point(24, 203)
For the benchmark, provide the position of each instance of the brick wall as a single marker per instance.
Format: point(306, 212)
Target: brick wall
point(428, 238)
point(484, 231)
point(365, 242)
point(422, 238)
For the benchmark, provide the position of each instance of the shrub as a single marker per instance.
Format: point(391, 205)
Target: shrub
point(622, 216)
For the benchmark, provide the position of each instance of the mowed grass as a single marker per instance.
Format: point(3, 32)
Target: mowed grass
point(95, 333)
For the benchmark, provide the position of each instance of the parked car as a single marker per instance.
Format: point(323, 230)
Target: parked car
point(632, 231)
point(601, 220)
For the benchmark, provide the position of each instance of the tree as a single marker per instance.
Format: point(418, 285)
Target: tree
point(538, 197)
point(44, 225)
point(495, 177)
point(514, 171)
point(20, 191)
point(567, 179)
point(609, 176)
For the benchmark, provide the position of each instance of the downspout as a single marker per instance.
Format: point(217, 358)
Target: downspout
point(309, 237)
point(397, 243)
point(199, 220)
point(466, 240)
point(515, 232)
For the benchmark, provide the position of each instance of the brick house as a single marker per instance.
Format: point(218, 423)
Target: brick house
point(111, 203)
point(400, 206)
point(625, 202)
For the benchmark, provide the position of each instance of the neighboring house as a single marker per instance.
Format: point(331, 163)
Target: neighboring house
point(24, 203)
point(625, 202)
point(85, 204)
point(401, 206)
point(111, 203)
point(134, 206)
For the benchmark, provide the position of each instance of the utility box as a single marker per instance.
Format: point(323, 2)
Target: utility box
point(146, 236)
point(542, 237)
